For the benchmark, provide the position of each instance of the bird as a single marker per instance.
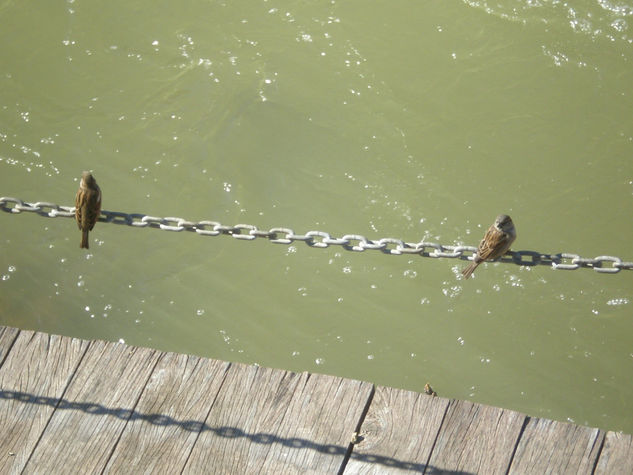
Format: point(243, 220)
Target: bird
point(429, 390)
point(87, 206)
point(496, 242)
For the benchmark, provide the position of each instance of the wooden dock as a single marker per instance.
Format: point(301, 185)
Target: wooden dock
point(75, 406)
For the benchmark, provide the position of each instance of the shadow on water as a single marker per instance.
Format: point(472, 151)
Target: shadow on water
point(226, 432)
point(355, 242)
point(350, 242)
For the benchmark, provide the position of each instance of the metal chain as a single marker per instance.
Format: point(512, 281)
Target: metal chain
point(321, 239)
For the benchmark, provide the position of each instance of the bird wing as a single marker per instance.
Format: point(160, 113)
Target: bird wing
point(94, 208)
point(78, 215)
point(493, 242)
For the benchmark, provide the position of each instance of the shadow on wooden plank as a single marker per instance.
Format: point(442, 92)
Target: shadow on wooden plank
point(477, 438)
point(41, 367)
point(399, 425)
point(281, 422)
point(557, 447)
point(181, 387)
point(110, 375)
point(289, 443)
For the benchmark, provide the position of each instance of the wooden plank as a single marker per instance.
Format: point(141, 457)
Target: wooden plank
point(69, 406)
point(398, 433)
point(273, 421)
point(476, 438)
point(616, 455)
point(7, 337)
point(317, 428)
point(100, 398)
point(557, 447)
point(169, 415)
point(32, 380)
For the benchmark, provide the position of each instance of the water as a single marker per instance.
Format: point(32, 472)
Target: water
point(402, 120)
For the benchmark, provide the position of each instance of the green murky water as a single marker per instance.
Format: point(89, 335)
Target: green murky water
point(412, 120)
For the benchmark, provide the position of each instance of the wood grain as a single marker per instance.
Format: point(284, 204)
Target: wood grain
point(33, 378)
point(272, 421)
point(169, 416)
point(557, 447)
point(318, 425)
point(7, 337)
point(398, 433)
point(72, 406)
point(87, 424)
point(616, 455)
point(476, 438)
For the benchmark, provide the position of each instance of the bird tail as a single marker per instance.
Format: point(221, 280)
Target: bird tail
point(467, 272)
point(84, 240)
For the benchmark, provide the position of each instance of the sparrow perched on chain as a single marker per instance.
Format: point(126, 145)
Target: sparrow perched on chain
point(87, 206)
point(495, 243)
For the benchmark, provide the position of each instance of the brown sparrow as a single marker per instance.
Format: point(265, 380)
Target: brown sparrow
point(495, 243)
point(87, 206)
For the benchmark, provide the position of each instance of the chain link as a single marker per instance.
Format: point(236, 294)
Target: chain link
point(321, 239)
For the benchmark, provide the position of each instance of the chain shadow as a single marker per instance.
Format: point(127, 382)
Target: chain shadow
point(394, 246)
point(560, 261)
point(531, 258)
point(320, 239)
point(227, 432)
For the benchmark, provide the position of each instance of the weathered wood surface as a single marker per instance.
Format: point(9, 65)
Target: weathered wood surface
point(557, 447)
point(272, 421)
point(86, 425)
point(169, 416)
point(616, 455)
point(33, 378)
point(7, 337)
point(398, 433)
point(72, 406)
point(477, 438)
